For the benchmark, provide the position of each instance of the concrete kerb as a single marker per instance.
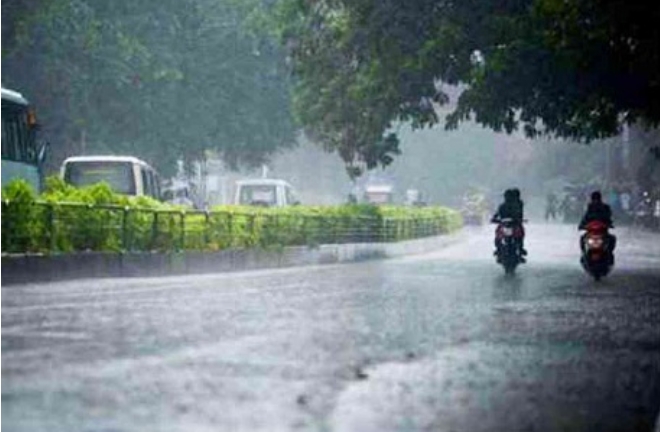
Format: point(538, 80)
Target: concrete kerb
point(17, 269)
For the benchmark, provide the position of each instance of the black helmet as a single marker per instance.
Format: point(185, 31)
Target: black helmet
point(516, 193)
point(596, 196)
point(508, 195)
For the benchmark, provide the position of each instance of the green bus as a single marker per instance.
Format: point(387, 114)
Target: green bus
point(21, 156)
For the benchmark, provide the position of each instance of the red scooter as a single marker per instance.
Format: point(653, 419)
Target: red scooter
point(597, 257)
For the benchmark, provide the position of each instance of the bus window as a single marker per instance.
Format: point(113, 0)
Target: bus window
point(155, 186)
point(119, 175)
point(265, 195)
point(146, 184)
point(14, 137)
point(152, 184)
point(7, 141)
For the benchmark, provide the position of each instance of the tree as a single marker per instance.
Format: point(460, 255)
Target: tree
point(161, 83)
point(565, 68)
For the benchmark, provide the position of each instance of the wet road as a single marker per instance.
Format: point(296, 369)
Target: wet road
point(440, 342)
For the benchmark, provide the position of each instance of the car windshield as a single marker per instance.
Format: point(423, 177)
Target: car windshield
point(258, 195)
point(378, 197)
point(119, 175)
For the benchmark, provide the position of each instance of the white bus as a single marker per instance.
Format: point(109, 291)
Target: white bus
point(21, 156)
point(126, 175)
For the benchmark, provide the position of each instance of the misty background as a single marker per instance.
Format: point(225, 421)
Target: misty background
point(208, 82)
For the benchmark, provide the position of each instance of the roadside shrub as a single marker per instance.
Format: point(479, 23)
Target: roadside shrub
point(94, 218)
point(22, 221)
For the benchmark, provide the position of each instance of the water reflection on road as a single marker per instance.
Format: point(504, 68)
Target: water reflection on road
point(443, 341)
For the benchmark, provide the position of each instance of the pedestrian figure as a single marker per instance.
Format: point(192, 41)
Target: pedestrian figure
point(625, 201)
point(551, 205)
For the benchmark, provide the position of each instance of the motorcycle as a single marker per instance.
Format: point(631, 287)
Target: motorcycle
point(644, 213)
point(473, 210)
point(507, 236)
point(472, 215)
point(596, 254)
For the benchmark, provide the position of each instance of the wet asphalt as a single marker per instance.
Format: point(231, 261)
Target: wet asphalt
point(438, 342)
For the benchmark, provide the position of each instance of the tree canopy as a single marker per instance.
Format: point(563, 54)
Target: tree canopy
point(161, 81)
point(566, 68)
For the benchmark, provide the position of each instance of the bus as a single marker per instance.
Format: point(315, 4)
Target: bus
point(21, 156)
point(126, 175)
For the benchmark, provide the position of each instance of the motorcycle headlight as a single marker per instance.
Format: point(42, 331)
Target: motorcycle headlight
point(507, 231)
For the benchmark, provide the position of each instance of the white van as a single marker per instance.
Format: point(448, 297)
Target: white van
point(126, 175)
point(379, 194)
point(265, 192)
point(179, 192)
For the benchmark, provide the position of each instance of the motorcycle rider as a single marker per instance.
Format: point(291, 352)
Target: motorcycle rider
point(512, 208)
point(597, 210)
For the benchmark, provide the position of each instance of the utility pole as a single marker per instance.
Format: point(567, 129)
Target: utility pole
point(608, 162)
point(625, 148)
point(83, 141)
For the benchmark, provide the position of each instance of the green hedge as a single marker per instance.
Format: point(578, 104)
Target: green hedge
point(66, 219)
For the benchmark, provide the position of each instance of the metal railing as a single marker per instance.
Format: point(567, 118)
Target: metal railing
point(50, 227)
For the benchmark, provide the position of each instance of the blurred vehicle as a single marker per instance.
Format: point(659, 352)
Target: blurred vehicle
point(571, 207)
point(378, 194)
point(126, 175)
point(22, 157)
point(643, 215)
point(414, 198)
point(179, 192)
point(265, 193)
point(474, 208)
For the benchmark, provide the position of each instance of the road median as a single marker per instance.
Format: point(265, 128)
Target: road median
point(33, 268)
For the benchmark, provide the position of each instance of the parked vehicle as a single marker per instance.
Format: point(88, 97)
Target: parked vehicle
point(597, 257)
point(507, 237)
point(379, 194)
point(126, 175)
point(265, 193)
point(179, 192)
